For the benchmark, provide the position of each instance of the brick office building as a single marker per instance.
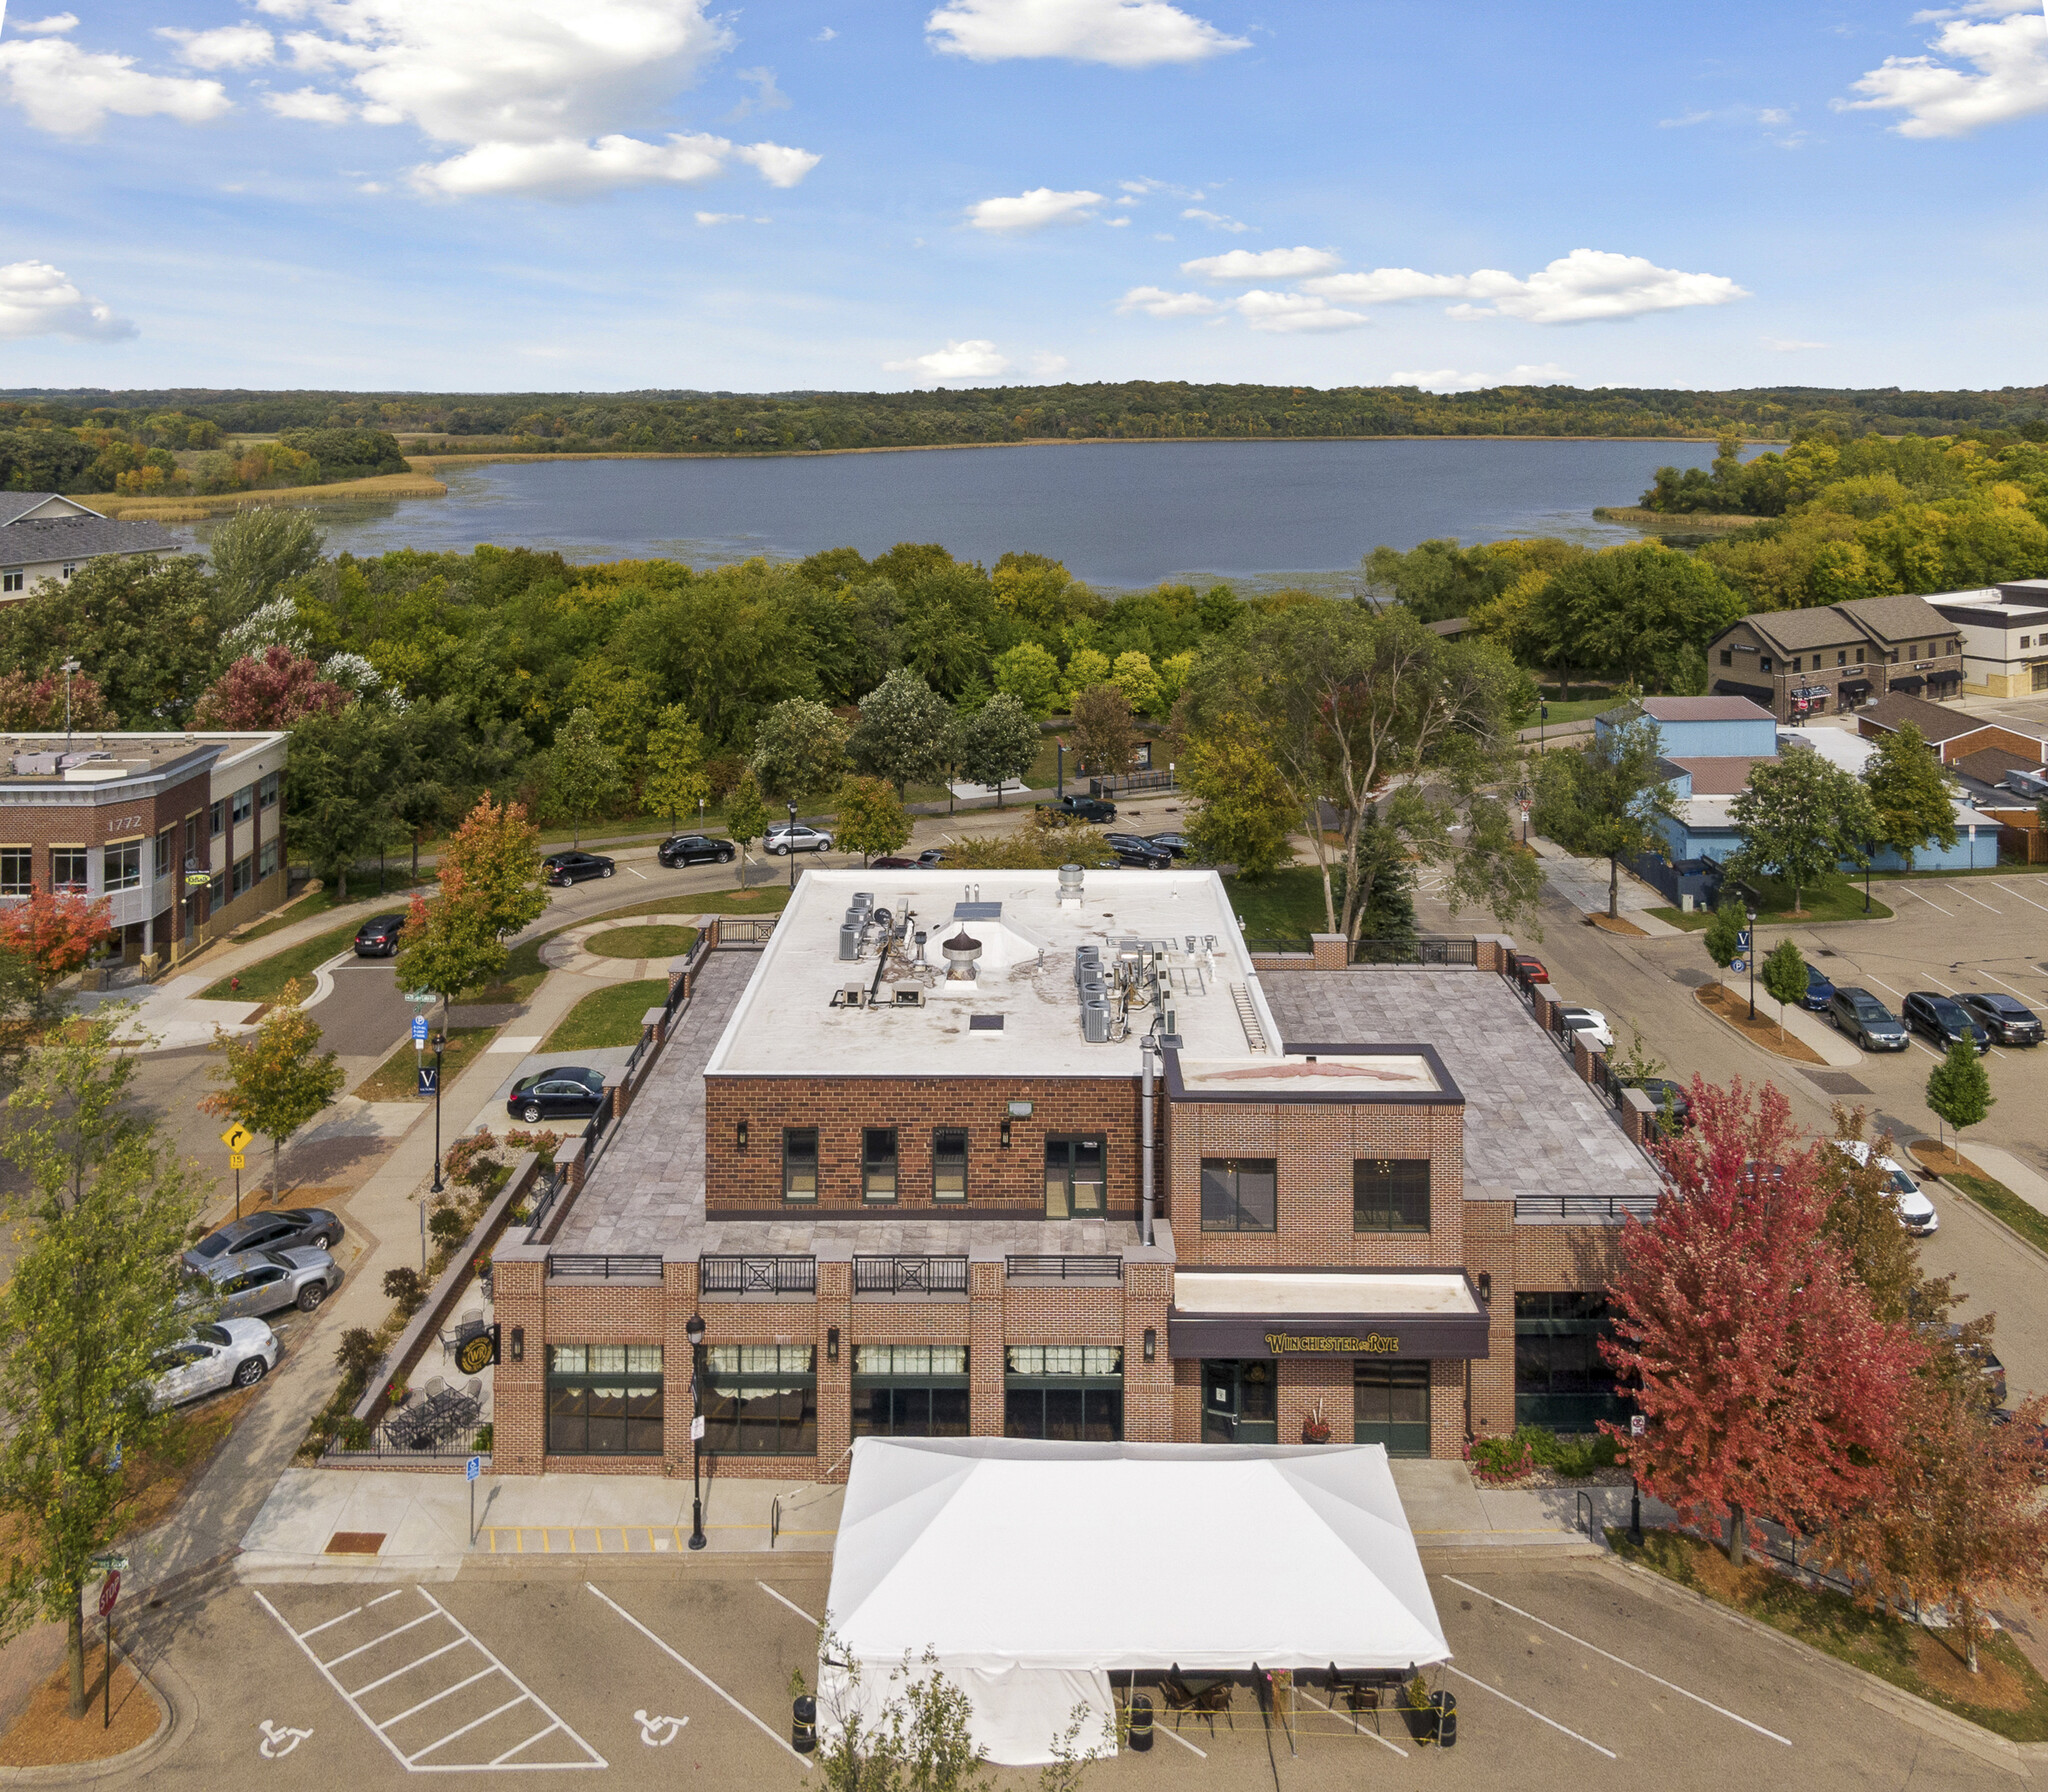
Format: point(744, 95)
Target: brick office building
point(127, 816)
point(906, 1200)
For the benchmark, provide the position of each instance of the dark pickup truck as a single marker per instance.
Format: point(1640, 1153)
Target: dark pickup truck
point(1080, 808)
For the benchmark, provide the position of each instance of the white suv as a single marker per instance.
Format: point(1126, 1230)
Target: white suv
point(787, 836)
point(233, 1353)
point(1916, 1212)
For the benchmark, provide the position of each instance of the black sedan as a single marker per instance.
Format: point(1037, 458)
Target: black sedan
point(566, 868)
point(1942, 1019)
point(1175, 843)
point(694, 849)
point(278, 1231)
point(563, 1092)
point(2007, 1019)
point(378, 936)
point(1135, 849)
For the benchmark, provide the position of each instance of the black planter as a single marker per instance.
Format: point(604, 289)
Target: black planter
point(1446, 1704)
point(803, 1726)
point(1141, 1724)
point(1422, 1724)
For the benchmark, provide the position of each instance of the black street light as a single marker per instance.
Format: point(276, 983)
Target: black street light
point(1635, 1511)
point(70, 666)
point(1059, 748)
point(440, 1046)
point(694, 1331)
point(789, 846)
point(1752, 962)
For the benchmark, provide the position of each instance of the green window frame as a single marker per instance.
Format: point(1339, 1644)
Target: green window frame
point(800, 1163)
point(604, 1400)
point(761, 1400)
point(1390, 1406)
point(1076, 1176)
point(1390, 1194)
point(910, 1390)
point(878, 1163)
point(1240, 1194)
point(949, 1163)
point(1069, 1393)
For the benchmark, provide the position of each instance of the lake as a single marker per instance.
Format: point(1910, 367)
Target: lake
point(1118, 514)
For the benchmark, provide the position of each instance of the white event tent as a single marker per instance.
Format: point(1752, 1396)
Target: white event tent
point(1033, 1571)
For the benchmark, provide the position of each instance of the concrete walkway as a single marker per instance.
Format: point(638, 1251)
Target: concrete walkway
point(1583, 884)
point(1447, 1509)
point(2025, 1181)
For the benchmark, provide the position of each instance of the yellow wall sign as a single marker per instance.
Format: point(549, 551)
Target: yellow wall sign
point(476, 1354)
point(1294, 1344)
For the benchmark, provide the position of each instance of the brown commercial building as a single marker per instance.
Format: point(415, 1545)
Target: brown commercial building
point(896, 1159)
point(1834, 658)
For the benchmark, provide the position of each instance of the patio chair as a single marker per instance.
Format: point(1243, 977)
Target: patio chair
point(435, 1387)
point(1357, 1692)
point(1178, 1697)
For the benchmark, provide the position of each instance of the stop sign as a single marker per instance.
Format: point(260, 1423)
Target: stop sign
point(110, 1590)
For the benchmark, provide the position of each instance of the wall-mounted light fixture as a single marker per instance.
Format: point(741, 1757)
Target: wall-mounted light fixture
point(831, 1343)
point(743, 1135)
point(1020, 1110)
point(519, 1343)
point(1485, 1285)
point(1151, 1344)
point(1006, 1135)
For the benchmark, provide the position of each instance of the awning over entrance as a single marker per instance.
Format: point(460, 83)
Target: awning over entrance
point(1947, 675)
point(1911, 682)
point(1756, 693)
point(1855, 689)
point(1383, 1313)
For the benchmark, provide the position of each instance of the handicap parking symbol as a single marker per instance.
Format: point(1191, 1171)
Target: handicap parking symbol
point(651, 1729)
point(279, 1740)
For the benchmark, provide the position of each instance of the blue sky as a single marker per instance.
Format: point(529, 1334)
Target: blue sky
point(616, 194)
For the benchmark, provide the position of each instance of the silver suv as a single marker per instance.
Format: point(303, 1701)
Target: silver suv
point(797, 837)
point(258, 1282)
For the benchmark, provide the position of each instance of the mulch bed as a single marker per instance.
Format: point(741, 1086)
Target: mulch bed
point(1726, 1004)
point(46, 1734)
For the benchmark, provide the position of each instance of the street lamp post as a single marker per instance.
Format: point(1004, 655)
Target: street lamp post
point(70, 666)
point(694, 1331)
point(1059, 748)
point(440, 1046)
point(1752, 962)
point(790, 846)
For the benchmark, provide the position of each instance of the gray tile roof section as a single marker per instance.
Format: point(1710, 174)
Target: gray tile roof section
point(1902, 618)
point(1936, 721)
point(1531, 1127)
point(1722, 775)
point(1883, 619)
point(80, 538)
point(1799, 631)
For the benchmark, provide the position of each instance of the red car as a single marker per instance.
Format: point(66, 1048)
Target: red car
point(1527, 969)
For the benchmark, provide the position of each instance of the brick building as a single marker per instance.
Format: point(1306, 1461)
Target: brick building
point(1833, 658)
point(128, 816)
point(897, 1162)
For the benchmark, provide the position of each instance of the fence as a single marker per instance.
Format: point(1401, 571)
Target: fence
point(910, 1275)
point(1584, 1207)
point(1132, 783)
point(742, 930)
point(608, 1269)
point(1271, 945)
point(1066, 1269)
point(757, 1275)
point(450, 1447)
point(1427, 950)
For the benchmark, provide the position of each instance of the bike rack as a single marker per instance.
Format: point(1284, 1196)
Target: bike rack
point(1583, 1502)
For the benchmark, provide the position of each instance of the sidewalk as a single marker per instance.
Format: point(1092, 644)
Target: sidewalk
point(1448, 1509)
point(2028, 1183)
point(1583, 883)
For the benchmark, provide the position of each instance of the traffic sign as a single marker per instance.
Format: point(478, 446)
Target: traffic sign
point(110, 1590)
point(1738, 964)
point(430, 1079)
point(420, 998)
point(472, 1468)
point(1636, 1426)
point(237, 1136)
point(236, 1160)
point(419, 1029)
point(697, 1429)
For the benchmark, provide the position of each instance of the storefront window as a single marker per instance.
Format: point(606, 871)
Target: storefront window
point(910, 1390)
point(949, 1164)
point(762, 1400)
point(1390, 1405)
point(604, 1399)
point(878, 1163)
point(1071, 1393)
point(1073, 1178)
point(122, 867)
point(1240, 1402)
point(1390, 1194)
point(799, 1163)
point(1561, 1380)
point(1239, 1194)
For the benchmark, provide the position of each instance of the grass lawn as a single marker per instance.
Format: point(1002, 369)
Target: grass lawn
point(1580, 709)
point(1834, 899)
point(2008, 1697)
point(769, 899)
point(264, 980)
point(397, 1078)
point(1286, 903)
point(361, 888)
point(645, 941)
point(1995, 1198)
point(609, 1016)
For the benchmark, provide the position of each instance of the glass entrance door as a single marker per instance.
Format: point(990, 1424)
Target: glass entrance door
point(1240, 1403)
point(1390, 1405)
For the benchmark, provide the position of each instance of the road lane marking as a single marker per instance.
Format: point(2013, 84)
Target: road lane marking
point(773, 1736)
point(2014, 987)
point(431, 1655)
point(1537, 1715)
point(475, 1723)
point(1619, 1661)
point(791, 1603)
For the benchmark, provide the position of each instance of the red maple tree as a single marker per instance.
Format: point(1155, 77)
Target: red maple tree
point(1767, 1383)
point(36, 705)
point(270, 690)
point(52, 933)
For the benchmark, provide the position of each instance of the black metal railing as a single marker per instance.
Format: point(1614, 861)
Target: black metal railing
point(1261, 945)
point(1128, 783)
point(757, 1275)
point(1427, 950)
point(745, 930)
point(551, 1183)
point(410, 1444)
point(910, 1275)
point(1066, 1269)
point(1592, 1208)
point(601, 1268)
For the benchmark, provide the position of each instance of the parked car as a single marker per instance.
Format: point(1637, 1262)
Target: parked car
point(1528, 970)
point(2007, 1019)
point(787, 837)
point(1942, 1019)
point(1674, 1108)
point(1175, 843)
point(928, 860)
point(1984, 1357)
point(1819, 991)
point(378, 936)
point(566, 868)
point(1081, 808)
point(1589, 1021)
point(232, 1353)
point(2037, 1439)
point(1916, 1211)
point(282, 1230)
point(564, 1092)
point(252, 1283)
point(1135, 849)
point(1866, 1020)
point(694, 849)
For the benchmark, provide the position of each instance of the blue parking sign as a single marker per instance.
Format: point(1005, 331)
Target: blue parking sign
point(419, 1029)
point(1738, 964)
point(472, 1468)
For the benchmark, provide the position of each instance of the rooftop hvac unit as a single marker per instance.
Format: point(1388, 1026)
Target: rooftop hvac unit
point(849, 940)
point(1095, 1022)
point(850, 995)
point(906, 995)
point(2033, 785)
point(863, 899)
point(1070, 884)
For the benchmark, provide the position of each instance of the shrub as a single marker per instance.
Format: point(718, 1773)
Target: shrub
point(449, 1225)
point(359, 1350)
point(406, 1290)
point(353, 1434)
point(1531, 1447)
point(542, 1143)
point(469, 1160)
point(1496, 1459)
point(484, 1434)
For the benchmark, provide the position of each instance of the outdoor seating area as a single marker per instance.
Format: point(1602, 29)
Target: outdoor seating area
point(440, 1414)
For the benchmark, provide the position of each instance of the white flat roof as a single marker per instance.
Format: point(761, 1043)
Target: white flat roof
point(785, 1023)
point(1326, 1073)
point(1370, 1294)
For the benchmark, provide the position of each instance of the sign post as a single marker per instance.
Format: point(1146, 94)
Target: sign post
point(1635, 1488)
point(110, 1590)
point(470, 1470)
point(236, 1139)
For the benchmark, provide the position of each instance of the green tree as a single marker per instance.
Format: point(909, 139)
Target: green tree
point(1643, 613)
point(1105, 733)
point(276, 1078)
point(1959, 1089)
point(1798, 818)
point(1608, 800)
point(869, 818)
point(904, 730)
point(1133, 675)
point(1029, 673)
point(1245, 816)
point(90, 1303)
point(339, 799)
point(583, 773)
point(1784, 975)
point(799, 750)
point(674, 779)
point(997, 743)
point(1912, 795)
point(1724, 932)
point(257, 552)
point(449, 945)
point(1085, 668)
point(746, 816)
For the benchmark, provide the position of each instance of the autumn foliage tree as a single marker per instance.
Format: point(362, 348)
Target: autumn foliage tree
point(37, 704)
point(44, 939)
point(270, 690)
point(277, 1078)
point(1768, 1384)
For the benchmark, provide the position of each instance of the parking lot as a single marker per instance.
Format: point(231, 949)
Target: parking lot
point(1562, 1673)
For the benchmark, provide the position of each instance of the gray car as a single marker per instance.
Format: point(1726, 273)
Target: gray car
point(274, 1231)
point(257, 1282)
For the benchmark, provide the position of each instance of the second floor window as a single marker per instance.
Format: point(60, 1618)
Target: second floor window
point(878, 1163)
point(67, 867)
point(799, 1163)
point(122, 867)
point(1239, 1194)
point(17, 870)
point(949, 1164)
point(1073, 1178)
point(245, 800)
point(267, 792)
point(217, 819)
point(1390, 1194)
point(165, 847)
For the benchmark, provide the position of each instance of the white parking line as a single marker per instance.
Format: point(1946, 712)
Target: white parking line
point(1957, 890)
point(427, 1618)
point(1619, 1661)
point(1908, 890)
point(2008, 890)
point(791, 1603)
point(381, 1597)
point(343, 1619)
point(1537, 1715)
point(1369, 1735)
point(2014, 987)
point(692, 1667)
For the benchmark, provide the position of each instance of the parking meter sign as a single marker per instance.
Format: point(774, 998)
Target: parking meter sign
point(419, 1029)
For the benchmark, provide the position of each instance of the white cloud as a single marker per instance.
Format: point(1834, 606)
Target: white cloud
point(1156, 301)
point(1047, 366)
point(1290, 313)
point(1682, 122)
point(825, 36)
point(721, 217)
point(1586, 285)
point(1122, 33)
point(37, 300)
point(310, 106)
point(1116, 224)
point(1034, 209)
point(975, 360)
point(226, 46)
point(70, 91)
point(767, 96)
point(1449, 379)
point(2009, 55)
point(1215, 220)
point(1262, 264)
point(560, 97)
point(56, 22)
point(1786, 345)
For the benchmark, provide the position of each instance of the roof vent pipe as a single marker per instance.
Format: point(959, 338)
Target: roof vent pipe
point(1145, 1048)
point(1070, 884)
point(961, 952)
